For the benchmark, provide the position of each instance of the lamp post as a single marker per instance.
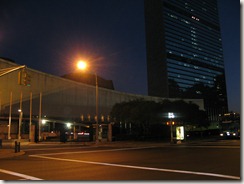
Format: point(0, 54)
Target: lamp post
point(20, 116)
point(82, 66)
point(171, 116)
point(20, 121)
point(96, 108)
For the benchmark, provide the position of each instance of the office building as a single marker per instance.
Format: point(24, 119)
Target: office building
point(184, 52)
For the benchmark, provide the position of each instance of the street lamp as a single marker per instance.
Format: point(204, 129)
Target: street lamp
point(171, 116)
point(20, 121)
point(68, 125)
point(82, 65)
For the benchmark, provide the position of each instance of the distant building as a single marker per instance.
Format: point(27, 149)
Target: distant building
point(184, 52)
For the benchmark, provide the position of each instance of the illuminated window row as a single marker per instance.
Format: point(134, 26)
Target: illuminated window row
point(204, 22)
point(185, 76)
point(202, 12)
point(194, 62)
point(207, 48)
point(185, 56)
point(182, 53)
point(193, 73)
point(202, 48)
point(188, 82)
point(194, 57)
point(182, 12)
point(176, 24)
point(192, 52)
point(183, 43)
point(177, 17)
point(215, 44)
point(189, 68)
point(197, 7)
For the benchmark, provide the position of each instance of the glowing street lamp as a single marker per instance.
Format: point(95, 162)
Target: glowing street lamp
point(82, 65)
point(44, 121)
point(68, 125)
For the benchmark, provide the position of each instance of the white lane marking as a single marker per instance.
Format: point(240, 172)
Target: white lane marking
point(19, 175)
point(95, 151)
point(139, 167)
point(215, 147)
point(49, 148)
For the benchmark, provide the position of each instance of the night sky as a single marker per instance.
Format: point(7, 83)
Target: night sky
point(51, 35)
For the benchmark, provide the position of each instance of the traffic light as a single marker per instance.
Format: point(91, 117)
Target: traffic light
point(170, 123)
point(24, 78)
point(20, 78)
point(27, 79)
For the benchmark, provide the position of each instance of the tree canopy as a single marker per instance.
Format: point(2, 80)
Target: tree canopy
point(143, 114)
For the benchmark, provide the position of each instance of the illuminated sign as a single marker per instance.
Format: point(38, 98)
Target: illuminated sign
point(180, 133)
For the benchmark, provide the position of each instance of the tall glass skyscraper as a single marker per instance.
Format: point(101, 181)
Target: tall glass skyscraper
point(184, 52)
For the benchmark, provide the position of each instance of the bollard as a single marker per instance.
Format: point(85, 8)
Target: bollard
point(15, 147)
point(19, 147)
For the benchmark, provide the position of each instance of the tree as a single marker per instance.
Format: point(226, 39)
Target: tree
point(144, 114)
point(139, 113)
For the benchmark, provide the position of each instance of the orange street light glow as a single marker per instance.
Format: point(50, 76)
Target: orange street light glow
point(81, 65)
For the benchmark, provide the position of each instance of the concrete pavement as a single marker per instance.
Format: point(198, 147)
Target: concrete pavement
point(8, 146)
point(7, 149)
point(8, 153)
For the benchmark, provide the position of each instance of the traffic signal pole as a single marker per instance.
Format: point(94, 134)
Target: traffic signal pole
point(23, 79)
point(171, 132)
point(11, 69)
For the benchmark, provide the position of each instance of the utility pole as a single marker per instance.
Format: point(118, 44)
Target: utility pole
point(10, 115)
point(20, 116)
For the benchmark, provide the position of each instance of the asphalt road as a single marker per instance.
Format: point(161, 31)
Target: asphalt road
point(126, 162)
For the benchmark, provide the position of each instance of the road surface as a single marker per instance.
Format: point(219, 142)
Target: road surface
point(215, 160)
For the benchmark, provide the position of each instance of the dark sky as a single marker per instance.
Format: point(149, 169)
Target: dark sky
point(51, 35)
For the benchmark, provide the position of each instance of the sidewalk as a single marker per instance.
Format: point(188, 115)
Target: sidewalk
point(8, 153)
point(8, 149)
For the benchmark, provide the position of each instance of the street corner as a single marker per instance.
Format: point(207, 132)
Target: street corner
point(8, 153)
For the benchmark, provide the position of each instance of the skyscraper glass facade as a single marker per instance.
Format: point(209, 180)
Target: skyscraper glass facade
point(184, 51)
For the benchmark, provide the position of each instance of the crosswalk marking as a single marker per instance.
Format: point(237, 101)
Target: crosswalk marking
point(19, 175)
